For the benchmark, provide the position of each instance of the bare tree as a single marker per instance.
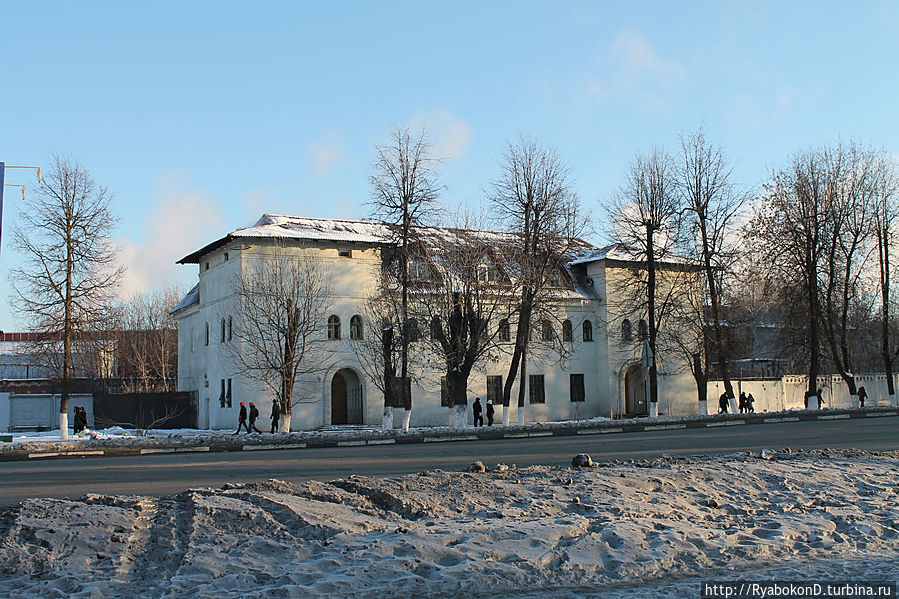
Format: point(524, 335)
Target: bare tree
point(404, 196)
point(646, 216)
point(711, 204)
point(534, 200)
point(70, 267)
point(463, 292)
point(848, 205)
point(148, 341)
point(281, 306)
point(884, 214)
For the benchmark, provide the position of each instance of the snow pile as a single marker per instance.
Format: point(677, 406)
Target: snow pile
point(620, 529)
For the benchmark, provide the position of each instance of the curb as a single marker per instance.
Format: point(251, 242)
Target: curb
point(492, 434)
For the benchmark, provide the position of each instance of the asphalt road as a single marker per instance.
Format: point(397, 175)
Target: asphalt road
point(162, 474)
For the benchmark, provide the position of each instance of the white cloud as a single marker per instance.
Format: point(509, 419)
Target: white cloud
point(326, 153)
point(182, 221)
point(631, 68)
point(450, 135)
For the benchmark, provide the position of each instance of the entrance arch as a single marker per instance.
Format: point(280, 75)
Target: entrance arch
point(346, 398)
point(635, 391)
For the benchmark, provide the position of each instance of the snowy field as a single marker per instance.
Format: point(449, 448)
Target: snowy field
point(648, 529)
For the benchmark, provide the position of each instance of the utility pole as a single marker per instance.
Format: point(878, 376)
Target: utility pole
point(3, 184)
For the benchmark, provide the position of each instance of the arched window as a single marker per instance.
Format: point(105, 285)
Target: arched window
point(504, 330)
point(567, 334)
point(356, 327)
point(333, 327)
point(546, 330)
point(207, 333)
point(627, 334)
point(641, 330)
point(588, 330)
point(413, 330)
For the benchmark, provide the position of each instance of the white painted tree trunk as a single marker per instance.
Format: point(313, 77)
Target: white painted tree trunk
point(64, 425)
point(813, 402)
point(704, 407)
point(459, 416)
point(407, 418)
point(387, 421)
point(653, 409)
point(734, 405)
point(853, 400)
point(285, 422)
point(520, 415)
point(507, 411)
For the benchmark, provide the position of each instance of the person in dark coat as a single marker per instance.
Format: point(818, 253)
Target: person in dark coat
point(750, 404)
point(80, 421)
point(862, 396)
point(254, 414)
point(276, 415)
point(743, 405)
point(242, 419)
point(820, 399)
point(490, 412)
point(722, 403)
point(476, 410)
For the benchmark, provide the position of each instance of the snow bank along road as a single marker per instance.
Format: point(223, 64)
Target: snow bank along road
point(160, 474)
point(653, 528)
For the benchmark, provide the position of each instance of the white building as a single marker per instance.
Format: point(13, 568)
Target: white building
point(602, 377)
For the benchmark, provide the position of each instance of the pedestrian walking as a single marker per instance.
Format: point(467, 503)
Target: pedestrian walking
point(743, 404)
point(242, 419)
point(722, 403)
point(862, 396)
point(750, 404)
point(254, 414)
point(489, 412)
point(476, 410)
point(820, 399)
point(80, 421)
point(276, 415)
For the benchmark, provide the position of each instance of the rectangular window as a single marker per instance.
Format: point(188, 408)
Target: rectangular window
point(577, 387)
point(444, 393)
point(345, 253)
point(223, 397)
point(495, 389)
point(535, 388)
point(229, 393)
point(206, 267)
point(226, 256)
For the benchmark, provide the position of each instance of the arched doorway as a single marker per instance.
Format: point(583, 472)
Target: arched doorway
point(635, 391)
point(346, 398)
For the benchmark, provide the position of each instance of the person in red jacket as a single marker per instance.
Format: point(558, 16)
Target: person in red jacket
point(242, 419)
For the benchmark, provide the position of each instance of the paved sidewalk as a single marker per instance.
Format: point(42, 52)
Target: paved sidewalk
point(221, 441)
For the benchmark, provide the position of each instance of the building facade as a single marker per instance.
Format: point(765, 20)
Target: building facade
point(601, 374)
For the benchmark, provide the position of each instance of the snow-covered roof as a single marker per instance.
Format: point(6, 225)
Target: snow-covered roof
point(192, 297)
point(367, 232)
point(621, 253)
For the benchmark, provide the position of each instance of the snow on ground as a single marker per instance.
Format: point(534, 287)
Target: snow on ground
point(650, 528)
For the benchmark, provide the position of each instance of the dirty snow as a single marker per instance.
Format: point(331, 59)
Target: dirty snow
point(650, 528)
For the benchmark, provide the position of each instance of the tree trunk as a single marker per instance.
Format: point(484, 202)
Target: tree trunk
point(407, 418)
point(387, 420)
point(522, 386)
point(651, 308)
point(285, 422)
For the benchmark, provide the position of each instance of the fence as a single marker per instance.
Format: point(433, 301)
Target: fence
point(788, 392)
point(139, 410)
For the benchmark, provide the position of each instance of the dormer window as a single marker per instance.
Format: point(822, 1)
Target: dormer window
point(419, 269)
point(488, 272)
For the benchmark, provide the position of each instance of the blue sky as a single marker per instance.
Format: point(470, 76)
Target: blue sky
point(200, 116)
